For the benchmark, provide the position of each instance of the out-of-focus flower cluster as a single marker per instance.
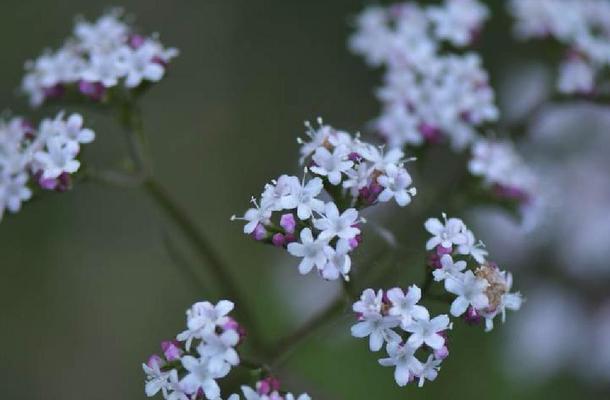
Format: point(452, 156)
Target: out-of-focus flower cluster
point(395, 318)
point(292, 212)
point(99, 56)
point(429, 94)
point(503, 170)
point(45, 157)
point(582, 26)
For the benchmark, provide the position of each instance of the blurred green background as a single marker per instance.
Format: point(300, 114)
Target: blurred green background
point(87, 287)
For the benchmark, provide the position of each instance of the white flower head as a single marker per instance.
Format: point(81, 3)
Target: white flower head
point(445, 234)
point(404, 305)
point(470, 291)
point(403, 358)
point(310, 250)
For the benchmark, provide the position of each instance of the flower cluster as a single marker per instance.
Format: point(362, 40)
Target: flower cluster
point(268, 389)
point(478, 293)
point(397, 320)
point(579, 25)
point(428, 95)
point(205, 352)
point(503, 170)
point(291, 212)
point(47, 156)
point(97, 57)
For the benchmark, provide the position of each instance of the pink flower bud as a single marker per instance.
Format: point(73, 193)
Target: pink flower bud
point(472, 317)
point(260, 233)
point(155, 361)
point(441, 251)
point(93, 90)
point(278, 240)
point(441, 353)
point(288, 223)
point(171, 350)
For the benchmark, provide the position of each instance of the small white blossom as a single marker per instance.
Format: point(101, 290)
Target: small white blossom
point(426, 331)
point(334, 224)
point(403, 358)
point(448, 268)
point(331, 164)
point(303, 197)
point(377, 328)
point(220, 349)
point(446, 234)
point(339, 262)
point(201, 376)
point(396, 182)
point(203, 318)
point(405, 306)
point(470, 291)
point(370, 302)
point(429, 370)
point(312, 251)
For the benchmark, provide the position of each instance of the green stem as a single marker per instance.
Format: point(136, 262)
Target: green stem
point(206, 250)
point(287, 345)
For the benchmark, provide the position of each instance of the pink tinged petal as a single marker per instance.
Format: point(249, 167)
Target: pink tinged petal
point(432, 243)
point(402, 375)
point(224, 307)
point(361, 329)
point(459, 306)
point(402, 198)
point(306, 266)
point(376, 340)
point(296, 249)
point(436, 342)
point(434, 226)
point(211, 389)
point(420, 312)
point(415, 341)
point(395, 295)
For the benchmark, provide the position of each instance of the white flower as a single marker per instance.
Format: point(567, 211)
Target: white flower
point(220, 349)
point(470, 291)
point(426, 331)
point(458, 20)
point(405, 306)
point(333, 224)
point(312, 251)
point(429, 370)
point(331, 165)
point(201, 376)
point(396, 182)
point(576, 76)
point(370, 302)
point(378, 328)
point(13, 192)
point(157, 380)
point(403, 358)
point(203, 318)
point(142, 64)
point(105, 68)
point(302, 196)
point(58, 157)
point(74, 130)
point(339, 263)
point(255, 216)
point(471, 247)
point(446, 234)
point(357, 178)
point(448, 268)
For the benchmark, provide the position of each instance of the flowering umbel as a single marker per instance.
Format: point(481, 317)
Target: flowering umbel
point(293, 213)
point(43, 158)
point(99, 57)
point(396, 318)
